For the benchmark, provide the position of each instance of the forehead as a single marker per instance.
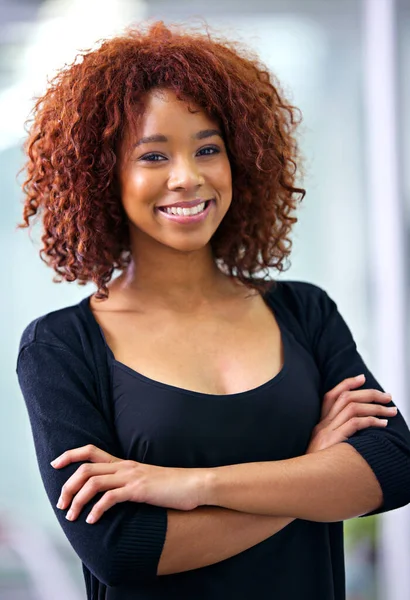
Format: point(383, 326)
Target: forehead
point(162, 108)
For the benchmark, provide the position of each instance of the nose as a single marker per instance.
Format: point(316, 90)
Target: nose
point(185, 176)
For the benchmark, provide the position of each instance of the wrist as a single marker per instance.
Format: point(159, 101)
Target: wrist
point(207, 487)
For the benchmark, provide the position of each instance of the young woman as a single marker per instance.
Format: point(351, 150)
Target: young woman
point(213, 428)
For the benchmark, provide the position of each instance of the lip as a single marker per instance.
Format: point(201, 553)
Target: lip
point(186, 219)
point(185, 204)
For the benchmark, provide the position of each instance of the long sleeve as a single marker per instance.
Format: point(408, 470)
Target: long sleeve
point(59, 391)
point(387, 450)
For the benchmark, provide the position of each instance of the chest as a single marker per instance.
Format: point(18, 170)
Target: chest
point(222, 353)
point(169, 426)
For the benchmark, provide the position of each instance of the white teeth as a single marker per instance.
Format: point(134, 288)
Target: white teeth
point(173, 210)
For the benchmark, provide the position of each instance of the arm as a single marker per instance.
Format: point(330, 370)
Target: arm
point(207, 535)
point(369, 473)
point(344, 411)
point(126, 545)
point(331, 485)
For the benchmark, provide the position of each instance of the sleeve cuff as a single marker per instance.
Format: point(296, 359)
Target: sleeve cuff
point(390, 466)
point(140, 545)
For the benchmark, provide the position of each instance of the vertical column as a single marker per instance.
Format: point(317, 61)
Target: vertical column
point(387, 259)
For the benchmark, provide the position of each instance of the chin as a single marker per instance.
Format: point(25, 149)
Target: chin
point(189, 246)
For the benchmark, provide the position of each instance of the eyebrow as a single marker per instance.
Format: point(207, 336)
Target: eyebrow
point(201, 135)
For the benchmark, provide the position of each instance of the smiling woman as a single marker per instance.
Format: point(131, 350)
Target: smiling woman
point(208, 429)
point(111, 98)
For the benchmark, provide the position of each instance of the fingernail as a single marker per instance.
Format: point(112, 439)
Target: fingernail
point(360, 376)
point(387, 395)
point(392, 409)
point(90, 519)
point(55, 462)
point(384, 421)
point(60, 503)
point(69, 515)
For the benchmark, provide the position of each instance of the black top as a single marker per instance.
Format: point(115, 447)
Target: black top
point(77, 393)
point(164, 425)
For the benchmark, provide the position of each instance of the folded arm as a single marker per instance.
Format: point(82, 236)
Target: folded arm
point(131, 540)
point(331, 485)
point(368, 473)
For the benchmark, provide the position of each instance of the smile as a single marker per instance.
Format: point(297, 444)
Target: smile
point(186, 215)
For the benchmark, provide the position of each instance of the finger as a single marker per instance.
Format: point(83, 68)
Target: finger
point(89, 452)
point(100, 483)
point(107, 501)
point(354, 409)
point(80, 477)
point(327, 438)
point(358, 423)
point(367, 395)
point(344, 386)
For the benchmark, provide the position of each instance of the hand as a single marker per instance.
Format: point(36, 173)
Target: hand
point(123, 480)
point(344, 412)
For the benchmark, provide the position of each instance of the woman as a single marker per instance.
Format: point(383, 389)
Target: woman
point(217, 426)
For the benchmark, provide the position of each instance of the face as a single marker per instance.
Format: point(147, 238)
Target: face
point(176, 183)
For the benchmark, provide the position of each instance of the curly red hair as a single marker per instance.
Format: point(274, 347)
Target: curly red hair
point(77, 125)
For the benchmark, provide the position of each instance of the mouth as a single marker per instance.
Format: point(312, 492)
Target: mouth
point(186, 212)
point(184, 215)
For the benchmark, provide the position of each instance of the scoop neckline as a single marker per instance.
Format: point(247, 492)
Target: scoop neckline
point(167, 386)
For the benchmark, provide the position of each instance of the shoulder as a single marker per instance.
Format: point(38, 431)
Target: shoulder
point(67, 342)
point(304, 306)
point(62, 328)
point(308, 299)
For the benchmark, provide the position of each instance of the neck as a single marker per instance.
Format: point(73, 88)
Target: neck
point(175, 279)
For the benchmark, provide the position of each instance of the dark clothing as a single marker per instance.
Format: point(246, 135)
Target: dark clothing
point(76, 393)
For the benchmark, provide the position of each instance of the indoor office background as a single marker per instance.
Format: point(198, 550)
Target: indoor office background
point(345, 63)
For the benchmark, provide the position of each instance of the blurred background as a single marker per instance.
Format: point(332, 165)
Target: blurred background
point(345, 63)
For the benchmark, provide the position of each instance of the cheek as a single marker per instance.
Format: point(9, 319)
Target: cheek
point(134, 183)
point(221, 176)
point(139, 188)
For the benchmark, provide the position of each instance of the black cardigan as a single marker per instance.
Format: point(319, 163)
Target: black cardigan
point(64, 377)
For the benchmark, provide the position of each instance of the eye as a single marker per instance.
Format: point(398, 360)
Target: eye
point(209, 151)
point(152, 157)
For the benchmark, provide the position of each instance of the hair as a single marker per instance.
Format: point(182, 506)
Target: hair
point(76, 126)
